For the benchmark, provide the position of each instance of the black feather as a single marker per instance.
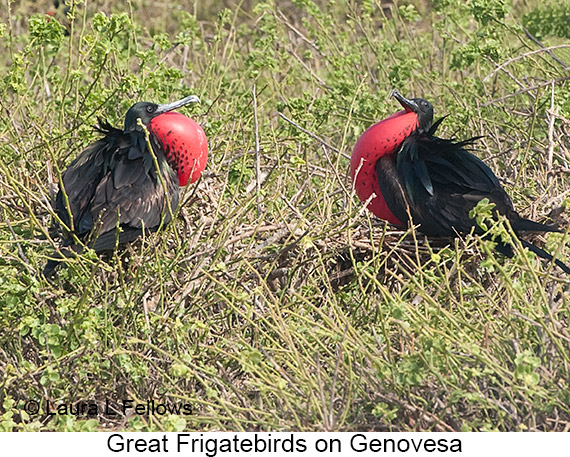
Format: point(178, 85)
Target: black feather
point(438, 181)
point(112, 181)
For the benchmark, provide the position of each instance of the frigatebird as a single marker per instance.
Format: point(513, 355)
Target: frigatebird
point(116, 182)
point(434, 183)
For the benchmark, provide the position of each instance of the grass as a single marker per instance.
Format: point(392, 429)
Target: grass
point(275, 302)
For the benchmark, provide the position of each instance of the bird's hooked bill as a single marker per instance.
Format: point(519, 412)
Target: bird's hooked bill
point(394, 93)
point(407, 104)
point(165, 108)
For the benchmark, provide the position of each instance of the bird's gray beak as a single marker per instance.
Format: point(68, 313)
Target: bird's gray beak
point(177, 104)
point(408, 105)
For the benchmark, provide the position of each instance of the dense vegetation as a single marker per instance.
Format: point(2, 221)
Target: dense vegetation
point(274, 302)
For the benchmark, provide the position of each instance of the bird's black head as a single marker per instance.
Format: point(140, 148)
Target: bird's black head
point(420, 106)
point(146, 112)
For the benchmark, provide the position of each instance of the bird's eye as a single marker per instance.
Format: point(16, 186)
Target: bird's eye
point(149, 109)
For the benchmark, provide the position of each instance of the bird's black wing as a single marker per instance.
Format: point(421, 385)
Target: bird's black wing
point(81, 178)
point(438, 182)
point(114, 182)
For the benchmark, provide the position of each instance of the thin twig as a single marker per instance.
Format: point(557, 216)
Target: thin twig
point(284, 20)
point(19, 247)
point(547, 50)
point(309, 70)
point(335, 171)
point(528, 89)
point(551, 115)
point(159, 175)
point(265, 228)
point(522, 56)
point(257, 159)
point(312, 135)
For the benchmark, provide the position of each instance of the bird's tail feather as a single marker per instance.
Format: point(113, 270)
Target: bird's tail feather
point(545, 255)
point(59, 256)
point(526, 225)
point(50, 267)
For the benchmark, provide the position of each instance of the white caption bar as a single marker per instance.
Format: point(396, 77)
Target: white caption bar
point(285, 444)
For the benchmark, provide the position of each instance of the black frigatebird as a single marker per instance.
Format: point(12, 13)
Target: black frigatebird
point(436, 181)
point(114, 181)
